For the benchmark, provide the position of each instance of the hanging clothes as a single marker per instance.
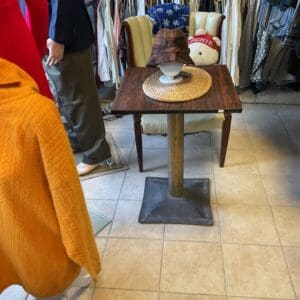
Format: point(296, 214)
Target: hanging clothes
point(141, 5)
point(280, 21)
point(218, 6)
point(130, 9)
point(207, 5)
point(231, 34)
point(247, 40)
point(294, 30)
point(194, 5)
point(273, 22)
point(108, 70)
point(292, 41)
point(261, 45)
point(117, 23)
point(276, 65)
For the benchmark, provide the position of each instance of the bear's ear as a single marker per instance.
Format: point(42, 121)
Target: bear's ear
point(217, 40)
point(200, 31)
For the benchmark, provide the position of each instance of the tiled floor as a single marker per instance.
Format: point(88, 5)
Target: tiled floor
point(253, 249)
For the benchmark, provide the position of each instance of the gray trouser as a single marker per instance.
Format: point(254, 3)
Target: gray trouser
point(73, 85)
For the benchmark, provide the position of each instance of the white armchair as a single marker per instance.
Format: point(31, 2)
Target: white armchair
point(211, 22)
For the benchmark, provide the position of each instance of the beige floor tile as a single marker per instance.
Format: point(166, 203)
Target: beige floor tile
point(100, 243)
point(168, 296)
point(238, 139)
point(295, 137)
point(80, 293)
point(192, 267)
point(154, 141)
point(288, 224)
point(237, 161)
point(270, 140)
point(288, 111)
point(240, 188)
point(282, 190)
point(134, 184)
point(238, 122)
point(271, 163)
point(250, 298)
point(194, 232)
point(197, 161)
point(264, 120)
point(109, 294)
point(292, 255)
point(106, 187)
point(124, 137)
point(125, 223)
point(247, 224)
point(198, 140)
point(120, 123)
point(278, 95)
point(256, 271)
point(258, 109)
point(131, 264)
point(154, 160)
point(133, 187)
point(292, 124)
point(106, 208)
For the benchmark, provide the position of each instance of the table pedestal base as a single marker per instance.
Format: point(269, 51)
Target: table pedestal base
point(192, 208)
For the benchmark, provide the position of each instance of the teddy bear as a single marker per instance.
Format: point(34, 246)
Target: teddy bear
point(204, 48)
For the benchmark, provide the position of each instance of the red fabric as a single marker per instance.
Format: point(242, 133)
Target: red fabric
point(37, 21)
point(17, 43)
point(206, 39)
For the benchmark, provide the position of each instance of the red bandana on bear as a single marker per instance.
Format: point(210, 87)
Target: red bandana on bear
point(206, 39)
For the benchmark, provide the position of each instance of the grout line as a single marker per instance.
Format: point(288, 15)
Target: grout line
point(161, 261)
point(284, 256)
point(288, 133)
point(117, 205)
point(93, 293)
point(125, 290)
point(198, 242)
point(218, 216)
point(194, 294)
point(275, 225)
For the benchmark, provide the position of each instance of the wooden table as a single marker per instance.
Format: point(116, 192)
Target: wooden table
point(175, 199)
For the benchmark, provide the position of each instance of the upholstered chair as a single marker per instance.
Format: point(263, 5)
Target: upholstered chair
point(138, 37)
point(211, 22)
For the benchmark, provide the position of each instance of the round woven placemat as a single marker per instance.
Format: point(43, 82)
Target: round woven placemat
point(189, 88)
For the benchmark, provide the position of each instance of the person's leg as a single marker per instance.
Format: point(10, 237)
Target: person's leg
point(73, 83)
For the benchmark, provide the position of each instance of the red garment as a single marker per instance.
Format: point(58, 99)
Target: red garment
point(17, 43)
point(37, 21)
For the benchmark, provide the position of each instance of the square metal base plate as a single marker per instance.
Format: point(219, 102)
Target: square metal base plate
point(160, 207)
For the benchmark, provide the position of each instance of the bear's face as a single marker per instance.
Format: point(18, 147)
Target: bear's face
point(204, 49)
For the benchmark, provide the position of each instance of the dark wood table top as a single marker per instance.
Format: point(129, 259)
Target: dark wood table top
point(222, 95)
